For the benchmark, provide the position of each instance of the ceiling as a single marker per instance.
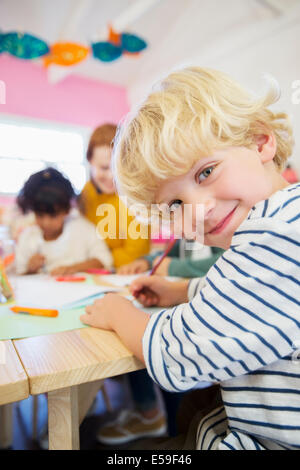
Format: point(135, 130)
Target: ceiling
point(176, 30)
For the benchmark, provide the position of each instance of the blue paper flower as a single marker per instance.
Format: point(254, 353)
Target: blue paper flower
point(24, 46)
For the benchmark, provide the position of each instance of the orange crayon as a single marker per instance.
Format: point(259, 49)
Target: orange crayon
point(43, 312)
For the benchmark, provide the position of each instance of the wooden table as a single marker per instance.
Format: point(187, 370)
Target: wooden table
point(70, 367)
point(14, 386)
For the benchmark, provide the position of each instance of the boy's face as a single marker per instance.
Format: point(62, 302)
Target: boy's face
point(51, 225)
point(100, 168)
point(226, 185)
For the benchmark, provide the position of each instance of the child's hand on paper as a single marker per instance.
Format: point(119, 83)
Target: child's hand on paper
point(154, 291)
point(163, 268)
point(136, 267)
point(99, 314)
point(35, 263)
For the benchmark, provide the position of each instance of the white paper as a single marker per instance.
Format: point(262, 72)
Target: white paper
point(42, 291)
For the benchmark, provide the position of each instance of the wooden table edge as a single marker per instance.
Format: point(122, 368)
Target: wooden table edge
point(20, 386)
point(43, 383)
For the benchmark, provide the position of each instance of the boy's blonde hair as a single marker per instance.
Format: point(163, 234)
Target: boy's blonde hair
point(189, 115)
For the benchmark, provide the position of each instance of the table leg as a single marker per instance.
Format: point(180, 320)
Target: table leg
point(86, 394)
point(63, 420)
point(6, 426)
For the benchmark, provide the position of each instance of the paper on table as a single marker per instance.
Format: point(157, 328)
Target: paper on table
point(48, 293)
point(45, 292)
point(14, 326)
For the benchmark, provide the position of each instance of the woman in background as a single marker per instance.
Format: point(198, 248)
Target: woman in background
point(101, 190)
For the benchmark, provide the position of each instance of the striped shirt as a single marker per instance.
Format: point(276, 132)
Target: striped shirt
point(240, 328)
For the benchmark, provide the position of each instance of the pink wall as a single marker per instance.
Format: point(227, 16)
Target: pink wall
point(75, 100)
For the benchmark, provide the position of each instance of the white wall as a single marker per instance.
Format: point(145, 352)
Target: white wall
point(272, 48)
point(245, 40)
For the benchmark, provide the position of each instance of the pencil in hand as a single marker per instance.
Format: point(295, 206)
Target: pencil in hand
point(163, 256)
point(157, 264)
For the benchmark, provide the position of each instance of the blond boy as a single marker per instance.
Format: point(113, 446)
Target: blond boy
point(201, 139)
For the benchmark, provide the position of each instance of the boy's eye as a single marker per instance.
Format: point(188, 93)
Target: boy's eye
point(174, 205)
point(205, 173)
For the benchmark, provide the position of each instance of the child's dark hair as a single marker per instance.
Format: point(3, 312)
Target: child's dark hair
point(46, 192)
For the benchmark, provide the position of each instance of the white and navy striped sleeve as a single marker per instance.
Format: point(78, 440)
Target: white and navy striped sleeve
point(245, 314)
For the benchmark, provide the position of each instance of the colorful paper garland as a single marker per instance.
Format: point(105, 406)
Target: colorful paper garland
point(66, 54)
point(26, 46)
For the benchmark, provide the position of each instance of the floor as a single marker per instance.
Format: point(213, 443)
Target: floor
point(119, 396)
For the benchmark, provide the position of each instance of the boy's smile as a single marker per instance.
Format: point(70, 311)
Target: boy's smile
point(223, 224)
point(227, 185)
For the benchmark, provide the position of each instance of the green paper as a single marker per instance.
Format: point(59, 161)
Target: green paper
point(22, 325)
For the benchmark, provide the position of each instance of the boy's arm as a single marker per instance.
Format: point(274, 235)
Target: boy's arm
point(131, 337)
point(236, 321)
point(114, 312)
point(117, 313)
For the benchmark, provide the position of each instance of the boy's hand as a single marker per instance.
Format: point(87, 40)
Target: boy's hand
point(155, 291)
point(35, 263)
point(99, 314)
point(163, 268)
point(136, 267)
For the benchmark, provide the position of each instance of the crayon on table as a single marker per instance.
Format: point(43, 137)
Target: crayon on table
point(35, 311)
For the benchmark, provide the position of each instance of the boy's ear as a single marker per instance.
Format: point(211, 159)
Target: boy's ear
point(266, 146)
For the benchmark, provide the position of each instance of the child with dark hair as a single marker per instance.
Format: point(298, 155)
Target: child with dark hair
point(59, 243)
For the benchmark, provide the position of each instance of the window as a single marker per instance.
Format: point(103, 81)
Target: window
point(27, 147)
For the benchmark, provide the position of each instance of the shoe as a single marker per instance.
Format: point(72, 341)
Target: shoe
point(131, 425)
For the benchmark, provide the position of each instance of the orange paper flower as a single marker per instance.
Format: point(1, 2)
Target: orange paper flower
point(66, 54)
point(113, 36)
